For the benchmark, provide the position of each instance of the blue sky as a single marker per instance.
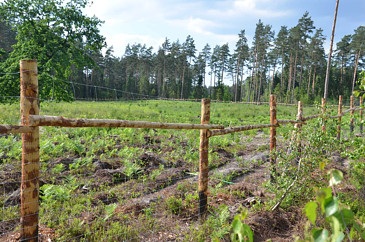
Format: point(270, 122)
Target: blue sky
point(214, 21)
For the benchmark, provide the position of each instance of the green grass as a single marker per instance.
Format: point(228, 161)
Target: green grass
point(68, 155)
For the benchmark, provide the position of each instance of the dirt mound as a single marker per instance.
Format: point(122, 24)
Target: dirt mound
point(278, 225)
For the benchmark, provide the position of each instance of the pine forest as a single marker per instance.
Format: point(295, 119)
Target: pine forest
point(76, 63)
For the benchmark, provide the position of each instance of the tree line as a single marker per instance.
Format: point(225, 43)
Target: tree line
point(68, 46)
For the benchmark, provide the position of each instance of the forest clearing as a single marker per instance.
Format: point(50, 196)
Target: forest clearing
point(256, 137)
point(124, 184)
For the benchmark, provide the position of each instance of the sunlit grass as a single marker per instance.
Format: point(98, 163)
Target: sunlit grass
point(123, 148)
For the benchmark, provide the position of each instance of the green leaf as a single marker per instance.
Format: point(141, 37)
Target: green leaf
point(331, 206)
point(359, 228)
point(338, 237)
point(241, 231)
point(337, 234)
point(322, 195)
point(243, 214)
point(247, 233)
point(322, 165)
point(311, 211)
point(356, 93)
point(320, 235)
point(236, 234)
point(109, 210)
point(345, 217)
point(336, 177)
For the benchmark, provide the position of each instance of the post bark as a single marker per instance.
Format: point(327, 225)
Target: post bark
point(323, 114)
point(361, 115)
point(29, 190)
point(352, 112)
point(339, 117)
point(203, 159)
point(273, 122)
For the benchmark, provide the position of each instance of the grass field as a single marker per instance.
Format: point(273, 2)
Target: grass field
point(123, 184)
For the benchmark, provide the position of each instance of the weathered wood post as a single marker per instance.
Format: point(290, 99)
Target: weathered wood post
point(203, 159)
point(273, 122)
point(323, 114)
point(352, 112)
point(361, 115)
point(339, 117)
point(29, 190)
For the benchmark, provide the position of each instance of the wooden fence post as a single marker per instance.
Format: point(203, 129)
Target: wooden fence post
point(273, 122)
point(339, 117)
point(323, 114)
point(361, 115)
point(29, 190)
point(352, 112)
point(203, 159)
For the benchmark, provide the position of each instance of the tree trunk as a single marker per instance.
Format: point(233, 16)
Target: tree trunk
point(236, 86)
point(290, 78)
point(301, 72)
point(272, 79)
point(182, 83)
point(294, 76)
point(314, 79)
point(330, 53)
point(355, 71)
point(309, 80)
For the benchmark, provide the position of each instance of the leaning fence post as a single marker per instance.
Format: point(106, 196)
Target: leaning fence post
point(203, 159)
point(323, 114)
point(29, 190)
point(361, 115)
point(352, 108)
point(339, 117)
point(273, 122)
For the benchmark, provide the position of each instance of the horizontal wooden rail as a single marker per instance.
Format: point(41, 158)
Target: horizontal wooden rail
point(336, 116)
point(312, 117)
point(353, 109)
point(238, 129)
point(14, 129)
point(38, 120)
point(287, 121)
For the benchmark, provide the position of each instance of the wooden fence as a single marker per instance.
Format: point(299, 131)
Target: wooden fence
point(31, 120)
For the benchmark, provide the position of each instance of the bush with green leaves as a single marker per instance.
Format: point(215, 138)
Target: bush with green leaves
point(361, 85)
point(329, 219)
point(300, 165)
point(241, 231)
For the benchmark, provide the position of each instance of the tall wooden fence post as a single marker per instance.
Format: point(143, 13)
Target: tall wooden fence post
point(273, 122)
point(352, 112)
point(29, 190)
point(361, 115)
point(203, 159)
point(323, 114)
point(339, 117)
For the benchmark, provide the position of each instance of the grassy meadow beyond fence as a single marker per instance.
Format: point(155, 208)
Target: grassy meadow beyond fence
point(90, 177)
point(158, 111)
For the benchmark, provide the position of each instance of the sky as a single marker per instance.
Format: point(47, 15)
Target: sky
point(214, 22)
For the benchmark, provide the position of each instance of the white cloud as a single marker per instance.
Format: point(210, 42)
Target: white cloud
point(259, 8)
point(195, 25)
point(126, 12)
point(250, 9)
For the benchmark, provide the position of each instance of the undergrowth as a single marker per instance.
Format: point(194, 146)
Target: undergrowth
point(92, 178)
